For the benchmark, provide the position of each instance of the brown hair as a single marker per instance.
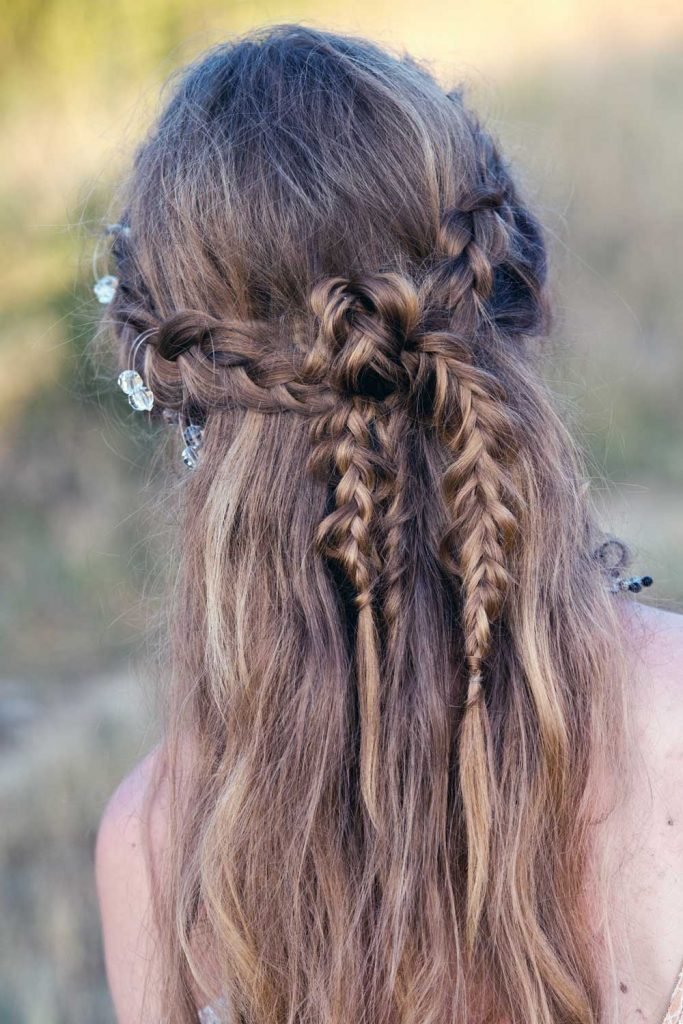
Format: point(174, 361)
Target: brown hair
point(394, 655)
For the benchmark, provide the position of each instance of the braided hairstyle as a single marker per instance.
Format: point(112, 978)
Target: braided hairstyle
point(390, 637)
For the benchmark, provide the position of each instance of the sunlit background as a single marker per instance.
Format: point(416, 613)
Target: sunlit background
point(588, 99)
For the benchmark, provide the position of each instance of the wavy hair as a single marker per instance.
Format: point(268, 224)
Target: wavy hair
point(393, 652)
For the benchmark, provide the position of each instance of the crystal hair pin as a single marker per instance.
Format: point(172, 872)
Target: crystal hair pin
point(140, 397)
point(118, 229)
point(192, 436)
point(105, 288)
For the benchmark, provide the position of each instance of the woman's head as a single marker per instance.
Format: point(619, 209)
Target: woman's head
point(293, 155)
point(391, 633)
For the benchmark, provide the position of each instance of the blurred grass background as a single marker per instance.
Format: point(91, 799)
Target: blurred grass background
point(587, 98)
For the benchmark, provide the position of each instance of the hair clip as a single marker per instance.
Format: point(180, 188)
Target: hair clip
point(633, 583)
point(140, 397)
point(105, 288)
point(192, 436)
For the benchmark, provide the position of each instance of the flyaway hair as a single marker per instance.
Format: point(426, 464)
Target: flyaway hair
point(396, 710)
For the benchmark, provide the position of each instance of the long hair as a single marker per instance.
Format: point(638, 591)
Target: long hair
point(397, 708)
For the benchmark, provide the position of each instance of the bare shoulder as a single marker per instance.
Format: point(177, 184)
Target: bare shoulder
point(136, 805)
point(647, 900)
point(657, 645)
point(656, 636)
point(131, 835)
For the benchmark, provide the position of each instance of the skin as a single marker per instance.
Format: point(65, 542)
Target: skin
point(647, 832)
point(123, 890)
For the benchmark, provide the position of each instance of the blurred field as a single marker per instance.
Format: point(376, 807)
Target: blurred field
point(587, 98)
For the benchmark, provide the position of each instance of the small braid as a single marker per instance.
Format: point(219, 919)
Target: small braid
point(362, 328)
point(347, 536)
point(194, 358)
point(476, 427)
point(392, 430)
point(477, 488)
point(343, 445)
point(474, 422)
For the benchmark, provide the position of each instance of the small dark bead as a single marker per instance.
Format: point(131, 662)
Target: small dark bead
point(646, 581)
point(635, 587)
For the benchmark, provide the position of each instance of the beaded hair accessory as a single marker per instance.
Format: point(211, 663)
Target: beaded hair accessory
point(192, 436)
point(613, 555)
point(105, 286)
point(633, 583)
point(140, 397)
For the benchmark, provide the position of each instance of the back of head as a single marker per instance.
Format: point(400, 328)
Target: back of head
point(394, 651)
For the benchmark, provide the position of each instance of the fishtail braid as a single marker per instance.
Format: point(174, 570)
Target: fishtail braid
point(392, 430)
point(478, 489)
point(363, 324)
point(477, 428)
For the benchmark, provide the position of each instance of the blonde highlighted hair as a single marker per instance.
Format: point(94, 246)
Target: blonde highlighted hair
point(393, 652)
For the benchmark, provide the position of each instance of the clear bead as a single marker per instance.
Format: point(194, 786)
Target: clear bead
point(129, 380)
point(190, 456)
point(118, 229)
point(105, 289)
point(141, 399)
point(192, 434)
